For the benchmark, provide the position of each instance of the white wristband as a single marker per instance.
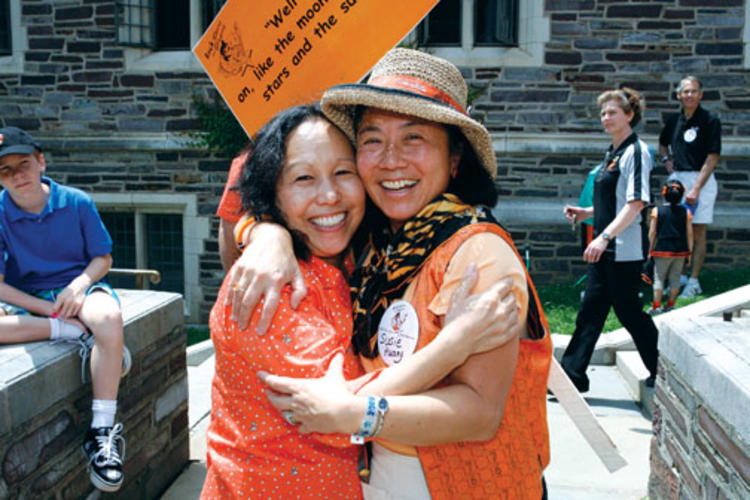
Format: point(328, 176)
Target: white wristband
point(368, 423)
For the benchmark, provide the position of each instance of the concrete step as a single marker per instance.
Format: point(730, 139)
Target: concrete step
point(198, 353)
point(634, 374)
point(575, 472)
point(199, 390)
point(189, 484)
point(200, 360)
point(737, 301)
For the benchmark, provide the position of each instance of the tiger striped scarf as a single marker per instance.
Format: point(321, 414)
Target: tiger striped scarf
point(387, 267)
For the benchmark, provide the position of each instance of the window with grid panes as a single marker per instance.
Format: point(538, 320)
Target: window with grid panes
point(162, 24)
point(135, 23)
point(147, 241)
point(164, 250)
point(493, 23)
point(121, 227)
point(6, 45)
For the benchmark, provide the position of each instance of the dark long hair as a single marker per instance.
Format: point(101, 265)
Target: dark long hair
point(265, 163)
point(472, 183)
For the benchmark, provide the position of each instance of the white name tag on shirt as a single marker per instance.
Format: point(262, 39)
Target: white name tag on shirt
point(398, 332)
point(690, 134)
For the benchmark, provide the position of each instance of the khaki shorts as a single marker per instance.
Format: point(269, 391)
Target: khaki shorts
point(667, 270)
point(704, 212)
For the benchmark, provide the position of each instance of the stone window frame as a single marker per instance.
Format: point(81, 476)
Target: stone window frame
point(533, 34)
point(144, 59)
point(19, 42)
point(195, 230)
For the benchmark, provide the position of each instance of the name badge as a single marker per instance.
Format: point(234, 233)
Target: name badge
point(398, 332)
point(690, 134)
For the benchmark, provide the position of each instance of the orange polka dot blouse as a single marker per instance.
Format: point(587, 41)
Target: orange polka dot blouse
point(252, 451)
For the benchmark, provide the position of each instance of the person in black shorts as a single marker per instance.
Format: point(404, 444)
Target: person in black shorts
point(689, 145)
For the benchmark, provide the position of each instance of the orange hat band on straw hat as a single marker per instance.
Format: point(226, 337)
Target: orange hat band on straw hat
point(417, 86)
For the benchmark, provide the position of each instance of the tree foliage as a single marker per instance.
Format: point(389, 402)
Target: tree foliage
point(221, 132)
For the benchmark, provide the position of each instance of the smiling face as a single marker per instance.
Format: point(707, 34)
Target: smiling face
point(404, 162)
point(21, 174)
point(318, 191)
point(690, 95)
point(615, 120)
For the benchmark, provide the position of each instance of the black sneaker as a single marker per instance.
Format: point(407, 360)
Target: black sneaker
point(102, 447)
point(650, 381)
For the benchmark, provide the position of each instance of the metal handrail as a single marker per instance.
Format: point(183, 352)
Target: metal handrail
point(154, 276)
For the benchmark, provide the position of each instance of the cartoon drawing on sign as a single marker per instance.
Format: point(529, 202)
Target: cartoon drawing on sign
point(233, 59)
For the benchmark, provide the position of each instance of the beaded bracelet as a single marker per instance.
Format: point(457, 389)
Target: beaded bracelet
point(369, 423)
point(382, 410)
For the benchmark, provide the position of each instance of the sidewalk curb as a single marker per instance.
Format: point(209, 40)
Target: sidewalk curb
point(198, 353)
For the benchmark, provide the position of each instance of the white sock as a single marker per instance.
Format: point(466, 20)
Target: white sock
point(693, 281)
point(104, 411)
point(60, 330)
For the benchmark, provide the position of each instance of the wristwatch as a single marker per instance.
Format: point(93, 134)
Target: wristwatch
point(665, 158)
point(606, 236)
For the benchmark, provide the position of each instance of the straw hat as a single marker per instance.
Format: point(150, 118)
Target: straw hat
point(417, 84)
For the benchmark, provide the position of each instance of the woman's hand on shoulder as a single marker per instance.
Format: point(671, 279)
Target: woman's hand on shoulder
point(485, 321)
point(266, 265)
point(322, 405)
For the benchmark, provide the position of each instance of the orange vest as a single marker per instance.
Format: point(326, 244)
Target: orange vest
point(511, 464)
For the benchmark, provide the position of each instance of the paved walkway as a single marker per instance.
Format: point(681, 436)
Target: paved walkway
point(575, 473)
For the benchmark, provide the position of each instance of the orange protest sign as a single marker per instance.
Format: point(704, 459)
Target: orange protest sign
point(266, 55)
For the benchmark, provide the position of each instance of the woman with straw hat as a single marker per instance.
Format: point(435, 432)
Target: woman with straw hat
point(302, 175)
point(427, 168)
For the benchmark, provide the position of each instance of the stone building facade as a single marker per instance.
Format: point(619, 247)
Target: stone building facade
point(116, 120)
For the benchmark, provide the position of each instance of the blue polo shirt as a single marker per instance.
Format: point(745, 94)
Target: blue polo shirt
point(52, 248)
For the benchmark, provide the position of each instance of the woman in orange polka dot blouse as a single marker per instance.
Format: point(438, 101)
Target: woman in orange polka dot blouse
point(302, 174)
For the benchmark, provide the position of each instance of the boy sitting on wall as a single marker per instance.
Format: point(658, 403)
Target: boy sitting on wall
point(54, 249)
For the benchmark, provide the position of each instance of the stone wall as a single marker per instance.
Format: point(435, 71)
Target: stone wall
point(113, 127)
point(701, 444)
point(599, 44)
point(45, 409)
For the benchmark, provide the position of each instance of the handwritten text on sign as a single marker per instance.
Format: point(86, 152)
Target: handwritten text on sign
point(266, 55)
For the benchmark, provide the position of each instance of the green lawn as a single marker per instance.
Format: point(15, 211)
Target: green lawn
point(197, 333)
point(561, 302)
